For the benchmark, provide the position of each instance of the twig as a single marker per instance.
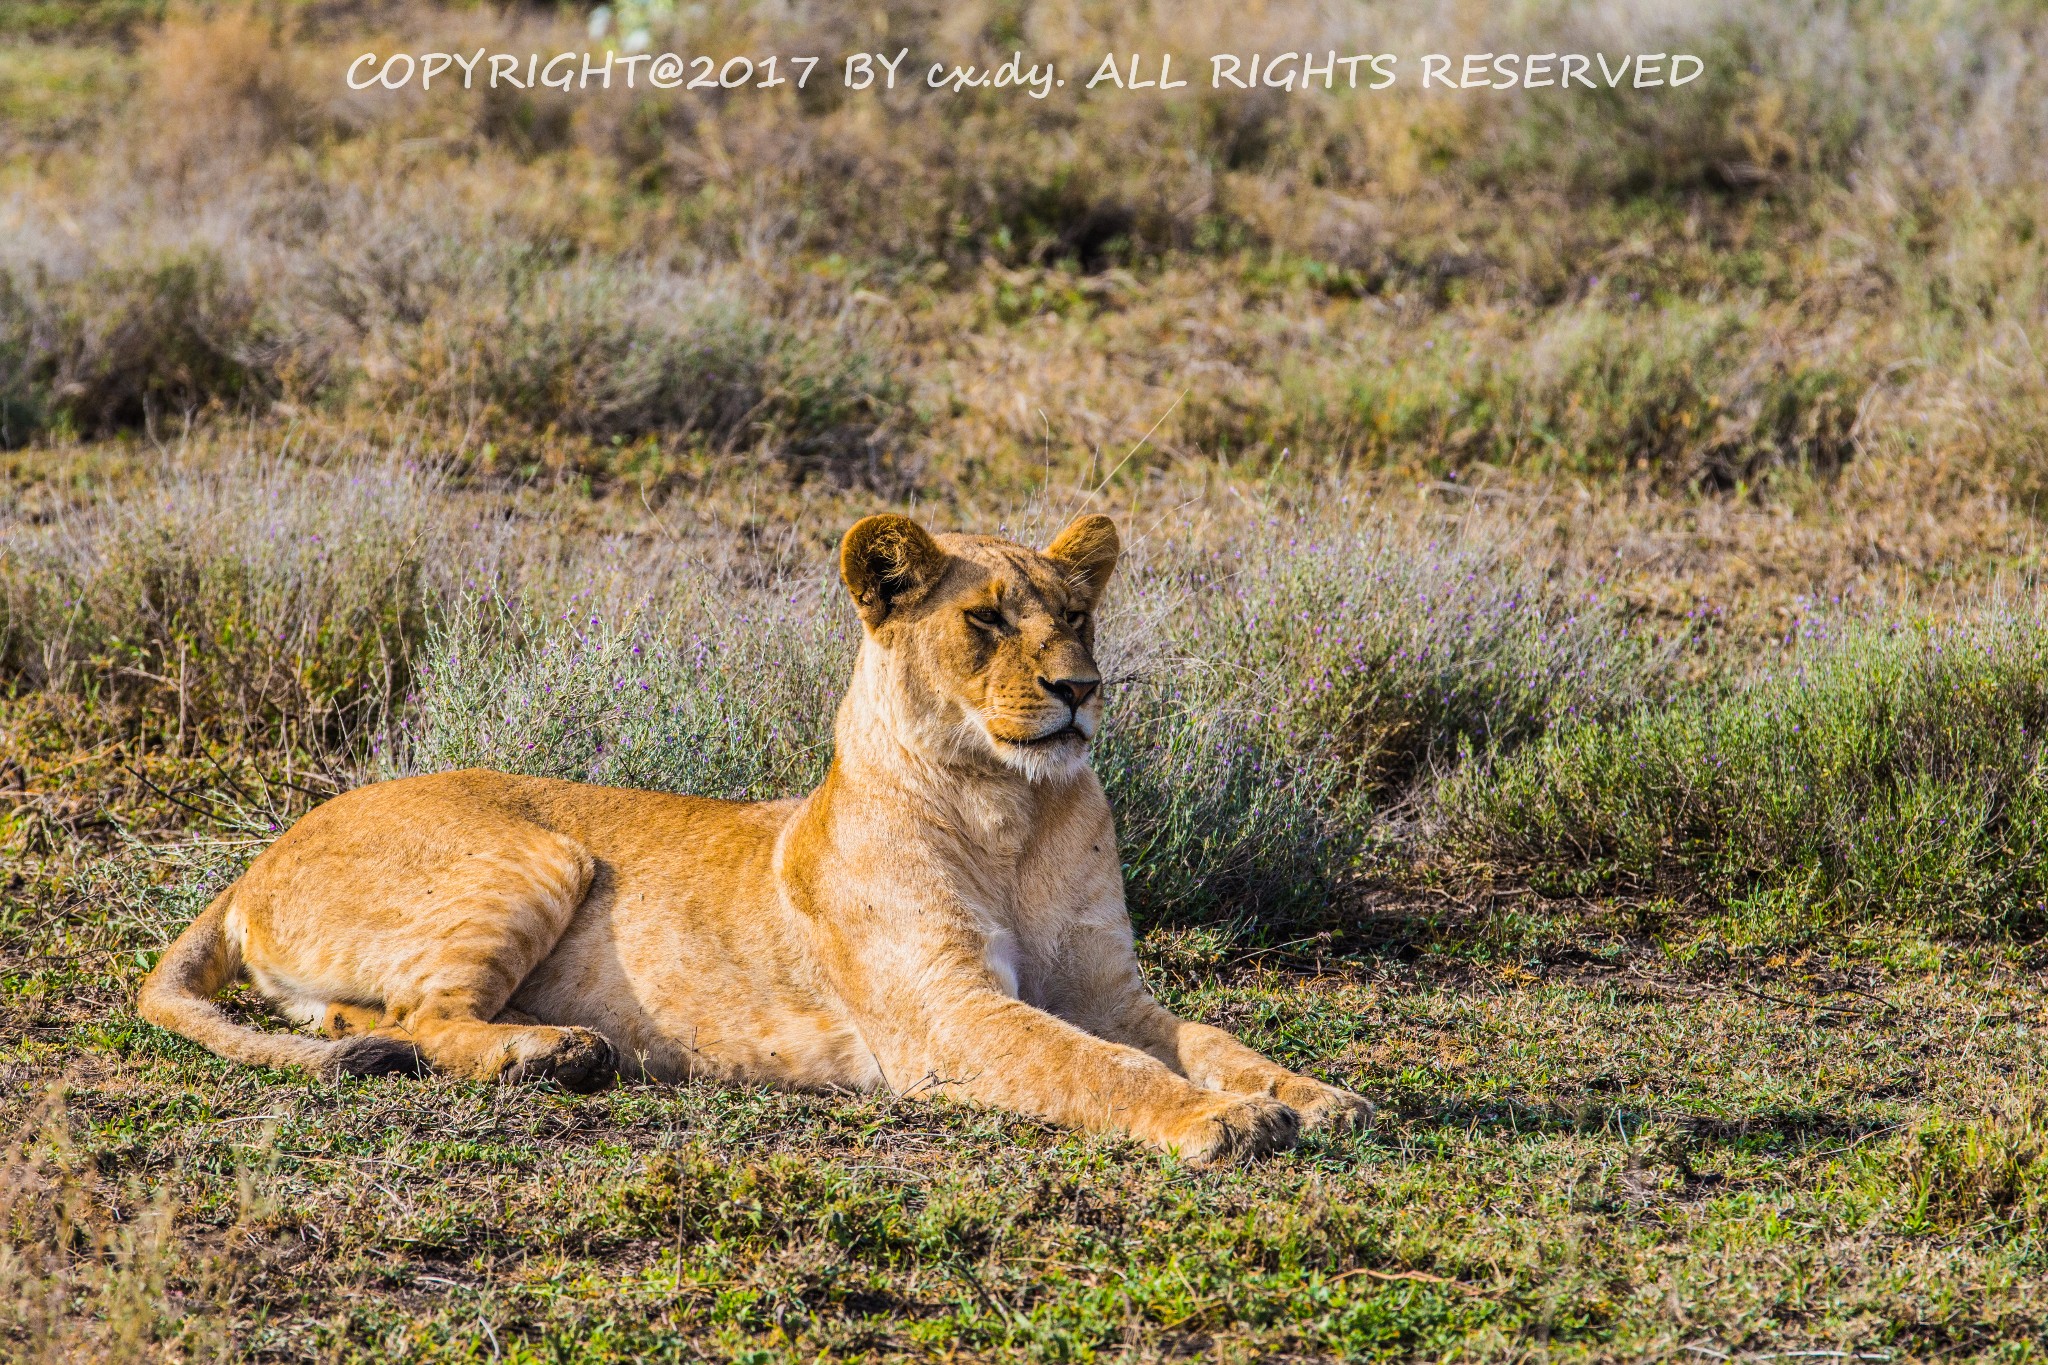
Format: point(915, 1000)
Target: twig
point(1795, 1004)
point(1852, 1146)
point(1871, 995)
point(1420, 1276)
point(1104, 482)
point(135, 771)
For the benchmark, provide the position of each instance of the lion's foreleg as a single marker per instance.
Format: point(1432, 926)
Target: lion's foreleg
point(999, 1051)
point(1105, 992)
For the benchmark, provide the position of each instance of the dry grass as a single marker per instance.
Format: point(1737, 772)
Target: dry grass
point(1823, 247)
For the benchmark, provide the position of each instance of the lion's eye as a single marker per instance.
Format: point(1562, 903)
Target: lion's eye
point(985, 618)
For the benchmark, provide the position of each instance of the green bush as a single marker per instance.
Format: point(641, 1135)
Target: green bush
point(1893, 773)
point(1694, 393)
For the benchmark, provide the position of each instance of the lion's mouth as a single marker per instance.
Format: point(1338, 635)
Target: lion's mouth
point(1060, 733)
point(1040, 741)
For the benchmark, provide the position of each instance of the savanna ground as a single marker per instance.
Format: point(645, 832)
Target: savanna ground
point(1578, 679)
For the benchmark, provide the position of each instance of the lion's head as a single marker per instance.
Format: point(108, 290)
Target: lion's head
point(979, 649)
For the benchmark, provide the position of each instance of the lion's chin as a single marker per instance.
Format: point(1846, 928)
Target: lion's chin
point(1045, 758)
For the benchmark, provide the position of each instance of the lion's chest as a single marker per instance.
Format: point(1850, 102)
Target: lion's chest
point(1027, 908)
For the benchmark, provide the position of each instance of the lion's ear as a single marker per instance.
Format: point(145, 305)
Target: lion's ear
point(888, 562)
point(1089, 547)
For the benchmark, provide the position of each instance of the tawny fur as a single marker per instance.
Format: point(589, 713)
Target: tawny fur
point(944, 914)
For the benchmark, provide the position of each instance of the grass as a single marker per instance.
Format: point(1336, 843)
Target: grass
point(1893, 772)
point(260, 606)
point(1594, 1136)
point(1575, 678)
point(1588, 1139)
point(1605, 1159)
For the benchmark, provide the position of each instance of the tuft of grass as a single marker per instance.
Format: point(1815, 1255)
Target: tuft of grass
point(63, 1246)
point(1959, 1173)
point(1888, 773)
point(1692, 393)
point(614, 352)
point(264, 604)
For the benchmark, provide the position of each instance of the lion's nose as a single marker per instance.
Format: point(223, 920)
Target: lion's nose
point(1075, 692)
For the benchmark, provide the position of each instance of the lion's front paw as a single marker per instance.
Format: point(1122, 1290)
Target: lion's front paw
point(1234, 1128)
point(1325, 1106)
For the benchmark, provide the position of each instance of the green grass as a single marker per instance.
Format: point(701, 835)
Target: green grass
point(1606, 1128)
point(1621, 1156)
point(1891, 774)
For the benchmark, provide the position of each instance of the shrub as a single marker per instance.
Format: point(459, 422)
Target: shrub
point(1777, 100)
point(1262, 709)
point(227, 81)
point(1215, 820)
point(263, 604)
point(1889, 773)
point(612, 351)
point(1692, 393)
point(715, 691)
point(126, 344)
point(1285, 700)
point(711, 691)
point(1381, 654)
point(601, 352)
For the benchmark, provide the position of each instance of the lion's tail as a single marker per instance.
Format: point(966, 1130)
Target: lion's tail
point(179, 994)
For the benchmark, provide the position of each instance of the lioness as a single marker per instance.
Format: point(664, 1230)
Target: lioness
point(945, 911)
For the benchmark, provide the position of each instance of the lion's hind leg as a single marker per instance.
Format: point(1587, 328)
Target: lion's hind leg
point(503, 915)
point(421, 960)
point(339, 1019)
